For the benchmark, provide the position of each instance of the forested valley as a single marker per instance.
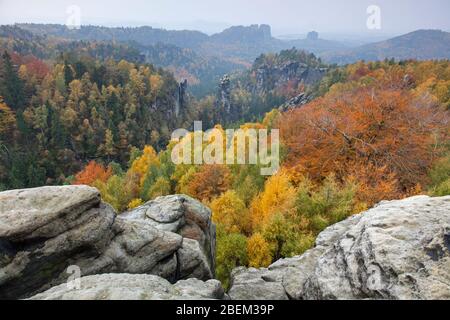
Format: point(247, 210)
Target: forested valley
point(96, 113)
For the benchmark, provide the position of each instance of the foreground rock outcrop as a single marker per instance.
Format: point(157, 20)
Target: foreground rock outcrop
point(397, 250)
point(45, 230)
point(185, 216)
point(135, 287)
point(166, 249)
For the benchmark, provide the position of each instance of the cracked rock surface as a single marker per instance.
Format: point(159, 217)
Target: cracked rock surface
point(397, 250)
point(45, 230)
point(182, 215)
point(135, 287)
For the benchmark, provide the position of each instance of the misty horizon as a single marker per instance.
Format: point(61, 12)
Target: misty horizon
point(286, 17)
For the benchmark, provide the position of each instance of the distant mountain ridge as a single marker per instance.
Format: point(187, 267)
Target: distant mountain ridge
point(144, 35)
point(253, 33)
point(246, 43)
point(238, 42)
point(420, 45)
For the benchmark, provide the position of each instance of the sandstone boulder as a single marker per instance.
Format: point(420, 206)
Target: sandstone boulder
point(134, 287)
point(182, 215)
point(45, 230)
point(397, 250)
point(256, 284)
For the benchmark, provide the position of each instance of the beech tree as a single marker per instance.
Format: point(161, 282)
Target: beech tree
point(259, 253)
point(278, 197)
point(231, 213)
point(231, 252)
point(142, 164)
point(209, 182)
point(386, 132)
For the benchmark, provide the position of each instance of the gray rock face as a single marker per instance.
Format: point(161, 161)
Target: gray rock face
point(182, 215)
point(33, 213)
point(397, 250)
point(256, 284)
point(181, 97)
point(225, 94)
point(296, 102)
point(289, 72)
point(134, 287)
point(45, 230)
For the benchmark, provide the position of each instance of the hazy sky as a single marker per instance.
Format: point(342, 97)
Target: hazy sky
point(285, 16)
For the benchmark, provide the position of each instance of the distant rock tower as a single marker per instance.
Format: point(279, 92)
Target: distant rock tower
point(266, 31)
point(181, 101)
point(225, 93)
point(313, 35)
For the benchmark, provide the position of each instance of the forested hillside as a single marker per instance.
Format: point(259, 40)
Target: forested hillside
point(272, 81)
point(203, 59)
point(201, 72)
point(69, 102)
point(242, 43)
point(58, 115)
point(22, 42)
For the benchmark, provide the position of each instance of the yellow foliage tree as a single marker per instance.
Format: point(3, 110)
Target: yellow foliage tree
point(7, 118)
point(183, 175)
point(230, 212)
point(278, 196)
point(114, 192)
point(141, 165)
point(271, 118)
point(161, 187)
point(107, 148)
point(258, 252)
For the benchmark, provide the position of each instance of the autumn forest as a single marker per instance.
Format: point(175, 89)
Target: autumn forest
point(97, 113)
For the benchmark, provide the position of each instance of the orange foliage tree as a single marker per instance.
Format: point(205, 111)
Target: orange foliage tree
point(384, 138)
point(209, 182)
point(91, 173)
